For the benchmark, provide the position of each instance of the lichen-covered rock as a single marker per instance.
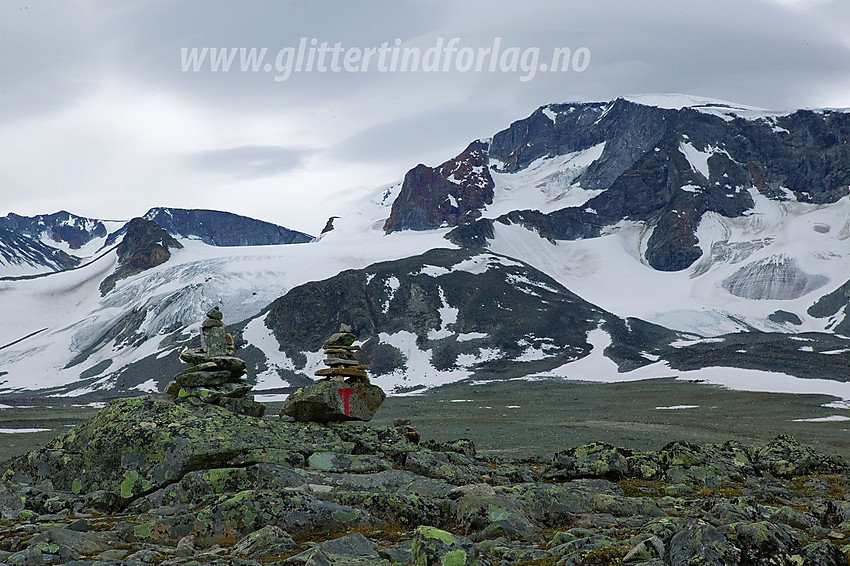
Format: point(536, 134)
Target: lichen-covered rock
point(150, 480)
point(699, 543)
point(329, 400)
point(134, 446)
point(764, 542)
point(785, 457)
point(595, 460)
point(433, 546)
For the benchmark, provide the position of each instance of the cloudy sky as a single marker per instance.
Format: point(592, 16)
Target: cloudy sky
point(104, 113)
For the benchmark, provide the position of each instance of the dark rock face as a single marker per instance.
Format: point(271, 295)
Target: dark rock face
point(831, 304)
point(453, 193)
point(145, 245)
point(218, 228)
point(150, 481)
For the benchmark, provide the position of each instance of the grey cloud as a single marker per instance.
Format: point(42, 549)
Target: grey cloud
point(248, 161)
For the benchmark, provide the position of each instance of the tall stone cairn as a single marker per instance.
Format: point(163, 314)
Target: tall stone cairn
point(215, 375)
point(343, 394)
point(341, 359)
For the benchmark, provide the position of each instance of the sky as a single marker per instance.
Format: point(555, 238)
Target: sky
point(108, 110)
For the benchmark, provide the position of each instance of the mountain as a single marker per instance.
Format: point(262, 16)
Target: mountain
point(144, 246)
point(45, 243)
point(218, 228)
point(630, 239)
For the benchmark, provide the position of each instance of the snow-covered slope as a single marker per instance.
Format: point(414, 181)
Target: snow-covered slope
point(63, 328)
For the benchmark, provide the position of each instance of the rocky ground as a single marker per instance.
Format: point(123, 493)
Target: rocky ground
point(148, 481)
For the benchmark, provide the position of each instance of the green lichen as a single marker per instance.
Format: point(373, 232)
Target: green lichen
point(77, 486)
point(435, 533)
point(345, 517)
point(496, 513)
point(143, 530)
point(130, 478)
point(454, 558)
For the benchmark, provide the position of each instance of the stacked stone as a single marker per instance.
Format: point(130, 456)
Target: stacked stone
point(215, 375)
point(344, 393)
point(341, 359)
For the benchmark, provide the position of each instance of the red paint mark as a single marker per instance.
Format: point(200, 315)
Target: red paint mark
point(344, 393)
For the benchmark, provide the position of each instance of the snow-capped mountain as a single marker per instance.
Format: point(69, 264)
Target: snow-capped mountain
point(643, 237)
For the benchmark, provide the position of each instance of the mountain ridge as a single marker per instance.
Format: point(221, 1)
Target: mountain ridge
point(661, 246)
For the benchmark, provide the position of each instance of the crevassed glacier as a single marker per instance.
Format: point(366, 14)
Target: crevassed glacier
point(777, 277)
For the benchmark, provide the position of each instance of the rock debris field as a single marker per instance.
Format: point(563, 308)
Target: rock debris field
point(150, 480)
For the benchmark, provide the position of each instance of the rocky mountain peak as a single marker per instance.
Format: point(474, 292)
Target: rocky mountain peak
point(145, 245)
point(452, 194)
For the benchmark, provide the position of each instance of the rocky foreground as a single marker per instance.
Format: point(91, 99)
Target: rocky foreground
point(151, 481)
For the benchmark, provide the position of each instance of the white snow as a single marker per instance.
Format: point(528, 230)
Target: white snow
point(830, 418)
point(697, 159)
point(149, 386)
point(466, 337)
point(676, 407)
point(548, 184)
point(22, 430)
point(610, 271)
point(448, 316)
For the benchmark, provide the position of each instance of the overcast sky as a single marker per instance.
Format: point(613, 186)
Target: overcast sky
point(99, 117)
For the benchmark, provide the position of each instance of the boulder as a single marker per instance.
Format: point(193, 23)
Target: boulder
point(435, 546)
point(330, 400)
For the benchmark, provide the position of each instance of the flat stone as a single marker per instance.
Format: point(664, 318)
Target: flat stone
point(330, 400)
point(214, 393)
point(359, 371)
point(232, 364)
point(194, 357)
point(203, 378)
point(341, 361)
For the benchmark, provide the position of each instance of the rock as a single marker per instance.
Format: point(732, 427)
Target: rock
point(354, 549)
point(267, 540)
point(785, 457)
point(195, 378)
point(349, 463)
point(435, 546)
point(702, 544)
point(764, 542)
point(593, 460)
point(822, 554)
point(329, 400)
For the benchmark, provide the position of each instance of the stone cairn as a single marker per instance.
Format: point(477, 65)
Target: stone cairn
point(341, 359)
point(215, 375)
point(343, 394)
